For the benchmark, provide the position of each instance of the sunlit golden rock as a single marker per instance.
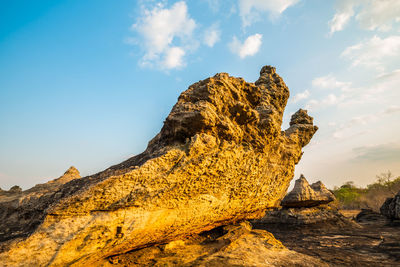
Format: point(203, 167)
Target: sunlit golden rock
point(221, 157)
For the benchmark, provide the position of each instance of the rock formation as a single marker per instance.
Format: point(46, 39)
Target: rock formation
point(21, 211)
point(306, 205)
point(221, 157)
point(304, 195)
point(391, 207)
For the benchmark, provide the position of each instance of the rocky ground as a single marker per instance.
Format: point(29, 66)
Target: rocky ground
point(375, 243)
point(372, 242)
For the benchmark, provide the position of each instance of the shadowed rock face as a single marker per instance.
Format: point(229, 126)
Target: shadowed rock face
point(232, 245)
point(220, 157)
point(391, 207)
point(304, 195)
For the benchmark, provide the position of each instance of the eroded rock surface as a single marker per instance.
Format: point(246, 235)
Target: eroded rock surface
point(304, 195)
point(220, 157)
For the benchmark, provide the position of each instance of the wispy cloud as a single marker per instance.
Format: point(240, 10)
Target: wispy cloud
point(370, 14)
point(249, 47)
point(344, 12)
point(382, 152)
point(326, 101)
point(341, 130)
point(212, 35)
point(167, 35)
point(374, 52)
point(330, 82)
point(301, 96)
point(250, 10)
point(395, 74)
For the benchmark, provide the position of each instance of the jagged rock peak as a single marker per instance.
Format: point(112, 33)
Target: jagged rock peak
point(72, 172)
point(306, 195)
point(220, 158)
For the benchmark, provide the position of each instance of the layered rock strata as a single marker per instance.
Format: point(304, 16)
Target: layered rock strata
point(221, 157)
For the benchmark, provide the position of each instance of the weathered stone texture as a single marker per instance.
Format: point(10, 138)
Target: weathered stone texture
point(220, 157)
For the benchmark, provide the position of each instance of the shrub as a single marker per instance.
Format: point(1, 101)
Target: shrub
point(372, 197)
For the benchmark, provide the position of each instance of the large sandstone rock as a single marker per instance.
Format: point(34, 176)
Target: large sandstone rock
point(391, 207)
point(304, 195)
point(221, 157)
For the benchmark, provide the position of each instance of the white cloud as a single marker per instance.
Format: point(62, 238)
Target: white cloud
point(374, 52)
point(301, 96)
point(379, 15)
point(327, 101)
point(250, 46)
point(330, 82)
point(342, 16)
point(212, 35)
point(381, 90)
point(167, 34)
point(372, 14)
point(174, 58)
point(250, 10)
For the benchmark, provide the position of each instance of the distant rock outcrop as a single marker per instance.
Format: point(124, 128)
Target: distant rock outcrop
point(304, 195)
point(221, 157)
point(306, 205)
point(391, 207)
point(22, 211)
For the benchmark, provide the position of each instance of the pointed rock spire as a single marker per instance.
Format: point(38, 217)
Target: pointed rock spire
point(306, 195)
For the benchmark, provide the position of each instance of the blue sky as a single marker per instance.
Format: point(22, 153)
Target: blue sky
point(89, 83)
